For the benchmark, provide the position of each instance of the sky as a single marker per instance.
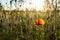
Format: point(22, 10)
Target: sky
point(35, 4)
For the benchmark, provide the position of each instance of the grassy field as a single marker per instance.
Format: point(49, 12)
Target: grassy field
point(19, 25)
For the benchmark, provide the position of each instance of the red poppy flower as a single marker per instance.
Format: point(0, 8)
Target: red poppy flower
point(39, 22)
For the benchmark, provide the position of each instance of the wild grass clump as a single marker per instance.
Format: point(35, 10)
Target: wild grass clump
point(19, 25)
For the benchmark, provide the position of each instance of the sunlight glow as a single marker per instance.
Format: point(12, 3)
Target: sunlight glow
point(35, 4)
point(39, 4)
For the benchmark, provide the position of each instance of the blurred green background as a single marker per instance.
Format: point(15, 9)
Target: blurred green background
point(19, 24)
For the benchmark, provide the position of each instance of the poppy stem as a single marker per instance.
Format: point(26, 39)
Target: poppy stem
point(42, 33)
point(42, 25)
